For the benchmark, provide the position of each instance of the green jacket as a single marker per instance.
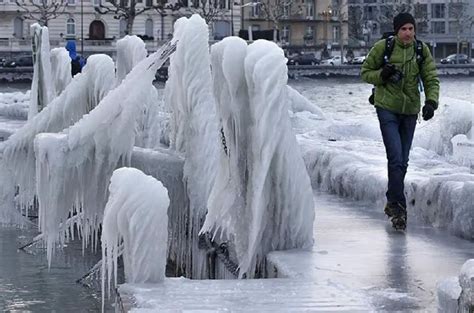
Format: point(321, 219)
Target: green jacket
point(402, 97)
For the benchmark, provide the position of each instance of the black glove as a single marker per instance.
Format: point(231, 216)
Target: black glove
point(428, 109)
point(387, 71)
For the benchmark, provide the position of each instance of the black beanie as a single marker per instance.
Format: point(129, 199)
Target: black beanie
point(402, 19)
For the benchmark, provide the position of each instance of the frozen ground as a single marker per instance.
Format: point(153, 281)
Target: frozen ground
point(358, 264)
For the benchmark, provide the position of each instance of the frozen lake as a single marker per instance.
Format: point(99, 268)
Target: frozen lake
point(27, 285)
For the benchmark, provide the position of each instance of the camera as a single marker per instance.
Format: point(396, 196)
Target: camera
point(396, 77)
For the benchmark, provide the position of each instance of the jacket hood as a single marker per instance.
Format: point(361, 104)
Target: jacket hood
point(71, 48)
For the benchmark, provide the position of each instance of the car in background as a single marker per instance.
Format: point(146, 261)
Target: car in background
point(26, 60)
point(335, 60)
point(358, 60)
point(303, 59)
point(455, 59)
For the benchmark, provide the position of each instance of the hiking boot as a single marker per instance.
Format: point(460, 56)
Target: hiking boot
point(388, 210)
point(398, 216)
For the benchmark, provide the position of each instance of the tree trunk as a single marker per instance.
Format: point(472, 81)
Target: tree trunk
point(129, 27)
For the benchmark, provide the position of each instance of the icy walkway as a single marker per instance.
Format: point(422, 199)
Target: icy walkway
point(358, 264)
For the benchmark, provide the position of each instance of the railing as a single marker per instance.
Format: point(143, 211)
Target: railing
point(105, 42)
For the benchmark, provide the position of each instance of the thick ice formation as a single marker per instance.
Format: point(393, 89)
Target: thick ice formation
point(167, 166)
point(299, 103)
point(194, 128)
point(60, 70)
point(463, 150)
point(262, 198)
point(454, 118)
point(80, 96)
point(456, 294)
point(135, 221)
point(73, 167)
point(41, 86)
point(130, 51)
point(14, 105)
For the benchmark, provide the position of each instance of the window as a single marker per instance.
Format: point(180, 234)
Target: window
point(70, 27)
point(309, 33)
point(335, 34)
point(71, 2)
point(456, 10)
point(149, 28)
point(309, 10)
point(421, 10)
point(286, 10)
point(18, 27)
point(122, 27)
point(255, 27)
point(369, 12)
point(97, 3)
point(454, 27)
point(148, 3)
point(255, 8)
point(222, 4)
point(437, 10)
point(438, 27)
point(285, 36)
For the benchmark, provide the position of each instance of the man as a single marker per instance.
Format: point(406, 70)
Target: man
point(397, 102)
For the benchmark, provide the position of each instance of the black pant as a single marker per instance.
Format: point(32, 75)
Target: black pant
point(397, 132)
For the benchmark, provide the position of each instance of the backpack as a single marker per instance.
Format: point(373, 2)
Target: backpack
point(387, 53)
point(389, 44)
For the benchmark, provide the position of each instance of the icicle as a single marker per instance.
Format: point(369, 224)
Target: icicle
point(73, 167)
point(80, 96)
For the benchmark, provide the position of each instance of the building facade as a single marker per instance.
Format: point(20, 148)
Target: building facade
point(97, 33)
point(311, 25)
point(445, 25)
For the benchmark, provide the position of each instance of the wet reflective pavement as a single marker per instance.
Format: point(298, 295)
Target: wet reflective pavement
point(355, 245)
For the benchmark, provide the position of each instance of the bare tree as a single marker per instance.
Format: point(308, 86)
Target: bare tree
point(129, 9)
point(460, 21)
point(41, 11)
point(390, 10)
point(209, 10)
point(340, 14)
point(275, 11)
point(420, 13)
point(356, 24)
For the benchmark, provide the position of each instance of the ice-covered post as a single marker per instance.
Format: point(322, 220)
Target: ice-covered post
point(262, 198)
point(60, 70)
point(135, 222)
point(193, 129)
point(41, 86)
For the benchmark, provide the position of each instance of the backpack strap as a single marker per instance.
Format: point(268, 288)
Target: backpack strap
point(387, 53)
point(420, 58)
